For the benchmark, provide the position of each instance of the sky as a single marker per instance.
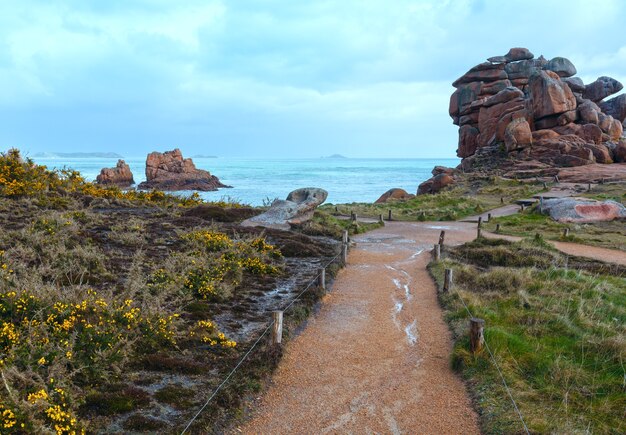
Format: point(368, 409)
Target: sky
point(270, 78)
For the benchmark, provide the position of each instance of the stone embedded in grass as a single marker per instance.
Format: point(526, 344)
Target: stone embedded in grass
point(583, 210)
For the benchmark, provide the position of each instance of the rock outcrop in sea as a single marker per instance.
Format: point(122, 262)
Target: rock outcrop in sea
point(170, 171)
point(518, 113)
point(120, 175)
point(298, 208)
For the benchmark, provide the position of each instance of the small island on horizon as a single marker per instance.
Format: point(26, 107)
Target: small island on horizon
point(102, 155)
point(335, 156)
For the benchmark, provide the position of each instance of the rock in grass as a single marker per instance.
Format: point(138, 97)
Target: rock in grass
point(298, 208)
point(582, 210)
point(399, 194)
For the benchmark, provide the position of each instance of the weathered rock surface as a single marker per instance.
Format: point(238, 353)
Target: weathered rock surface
point(602, 88)
point(170, 171)
point(298, 208)
point(616, 107)
point(435, 184)
point(120, 175)
point(394, 194)
point(562, 66)
point(583, 210)
point(516, 109)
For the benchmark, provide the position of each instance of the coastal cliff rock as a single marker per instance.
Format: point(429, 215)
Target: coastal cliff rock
point(170, 171)
point(518, 111)
point(120, 175)
point(298, 208)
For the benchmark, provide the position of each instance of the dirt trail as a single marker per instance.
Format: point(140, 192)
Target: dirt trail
point(375, 359)
point(376, 356)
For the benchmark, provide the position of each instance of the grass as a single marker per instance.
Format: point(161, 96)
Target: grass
point(558, 333)
point(471, 195)
point(604, 234)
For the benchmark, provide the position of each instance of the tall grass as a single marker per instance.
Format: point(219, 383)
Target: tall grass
point(558, 334)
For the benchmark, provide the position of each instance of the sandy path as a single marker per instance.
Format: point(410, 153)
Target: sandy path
point(375, 359)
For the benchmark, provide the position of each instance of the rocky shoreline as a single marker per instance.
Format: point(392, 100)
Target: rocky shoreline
point(522, 116)
point(167, 171)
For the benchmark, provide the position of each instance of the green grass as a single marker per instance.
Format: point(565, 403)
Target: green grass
point(603, 234)
point(471, 195)
point(558, 334)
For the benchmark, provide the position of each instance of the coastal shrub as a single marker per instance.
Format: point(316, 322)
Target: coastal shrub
point(24, 178)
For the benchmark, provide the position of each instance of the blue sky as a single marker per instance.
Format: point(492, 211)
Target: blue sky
point(275, 78)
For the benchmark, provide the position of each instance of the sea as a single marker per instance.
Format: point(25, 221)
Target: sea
point(259, 181)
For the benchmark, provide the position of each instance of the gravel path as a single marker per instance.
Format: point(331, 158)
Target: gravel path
point(375, 359)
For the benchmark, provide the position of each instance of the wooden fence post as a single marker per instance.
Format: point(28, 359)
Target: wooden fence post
point(380, 219)
point(477, 337)
point(521, 207)
point(545, 186)
point(442, 237)
point(589, 187)
point(389, 218)
point(436, 252)
point(336, 209)
point(277, 330)
point(480, 221)
point(344, 239)
point(322, 279)
point(497, 228)
point(501, 200)
point(479, 233)
point(566, 232)
point(488, 217)
point(447, 281)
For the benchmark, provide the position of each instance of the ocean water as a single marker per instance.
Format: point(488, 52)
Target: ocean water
point(257, 180)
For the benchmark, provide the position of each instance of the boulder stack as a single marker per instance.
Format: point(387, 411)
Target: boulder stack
point(169, 171)
point(120, 175)
point(518, 108)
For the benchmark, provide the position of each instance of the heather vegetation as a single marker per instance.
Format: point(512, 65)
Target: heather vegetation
point(115, 304)
point(556, 328)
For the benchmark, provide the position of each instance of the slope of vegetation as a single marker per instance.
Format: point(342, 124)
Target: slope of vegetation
point(121, 310)
point(556, 327)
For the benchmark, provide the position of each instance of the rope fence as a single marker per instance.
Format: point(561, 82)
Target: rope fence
point(265, 331)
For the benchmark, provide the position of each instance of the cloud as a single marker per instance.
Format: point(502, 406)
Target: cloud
point(343, 71)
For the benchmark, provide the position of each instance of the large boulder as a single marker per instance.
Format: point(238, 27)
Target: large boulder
point(484, 72)
point(518, 135)
point(120, 175)
point(562, 66)
point(549, 95)
point(496, 114)
point(619, 152)
point(394, 194)
point(468, 141)
point(575, 84)
point(514, 54)
point(436, 183)
point(298, 208)
point(602, 88)
point(582, 210)
point(170, 171)
point(616, 107)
